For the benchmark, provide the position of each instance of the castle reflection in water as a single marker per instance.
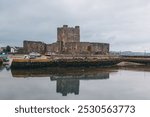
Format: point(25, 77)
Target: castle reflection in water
point(68, 86)
point(67, 79)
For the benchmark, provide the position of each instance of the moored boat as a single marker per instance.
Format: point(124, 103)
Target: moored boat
point(4, 57)
point(5, 60)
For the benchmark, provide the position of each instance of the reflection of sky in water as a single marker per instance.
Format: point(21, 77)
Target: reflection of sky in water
point(124, 84)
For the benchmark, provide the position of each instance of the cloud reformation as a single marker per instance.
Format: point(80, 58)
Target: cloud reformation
point(123, 24)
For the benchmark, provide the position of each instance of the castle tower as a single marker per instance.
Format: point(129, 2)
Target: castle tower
point(67, 34)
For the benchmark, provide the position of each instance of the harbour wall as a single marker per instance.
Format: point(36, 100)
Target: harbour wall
point(36, 63)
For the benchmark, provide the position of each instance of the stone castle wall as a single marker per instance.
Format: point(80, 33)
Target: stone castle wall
point(99, 48)
point(76, 48)
point(54, 47)
point(86, 48)
point(34, 46)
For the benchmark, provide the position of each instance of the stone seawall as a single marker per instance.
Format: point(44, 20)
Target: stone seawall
point(37, 63)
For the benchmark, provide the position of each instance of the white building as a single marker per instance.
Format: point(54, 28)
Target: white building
point(13, 49)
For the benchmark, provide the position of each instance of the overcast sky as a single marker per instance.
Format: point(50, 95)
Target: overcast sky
point(125, 24)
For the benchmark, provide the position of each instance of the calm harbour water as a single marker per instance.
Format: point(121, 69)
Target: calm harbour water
point(75, 83)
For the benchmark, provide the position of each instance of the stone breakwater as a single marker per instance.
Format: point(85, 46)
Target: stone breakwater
point(37, 63)
point(68, 61)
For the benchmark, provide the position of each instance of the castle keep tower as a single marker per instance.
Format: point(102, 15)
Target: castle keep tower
point(68, 34)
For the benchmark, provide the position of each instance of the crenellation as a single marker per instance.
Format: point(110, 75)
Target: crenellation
point(65, 26)
point(77, 27)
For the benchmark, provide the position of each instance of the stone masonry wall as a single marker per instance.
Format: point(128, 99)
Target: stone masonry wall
point(34, 46)
point(67, 34)
point(99, 48)
point(86, 48)
point(76, 47)
point(54, 47)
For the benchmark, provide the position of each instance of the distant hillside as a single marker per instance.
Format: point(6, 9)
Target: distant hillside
point(129, 53)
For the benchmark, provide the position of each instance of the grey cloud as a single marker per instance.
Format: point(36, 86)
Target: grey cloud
point(113, 21)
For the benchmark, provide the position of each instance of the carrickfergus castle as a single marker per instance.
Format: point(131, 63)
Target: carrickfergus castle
point(68, 42)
